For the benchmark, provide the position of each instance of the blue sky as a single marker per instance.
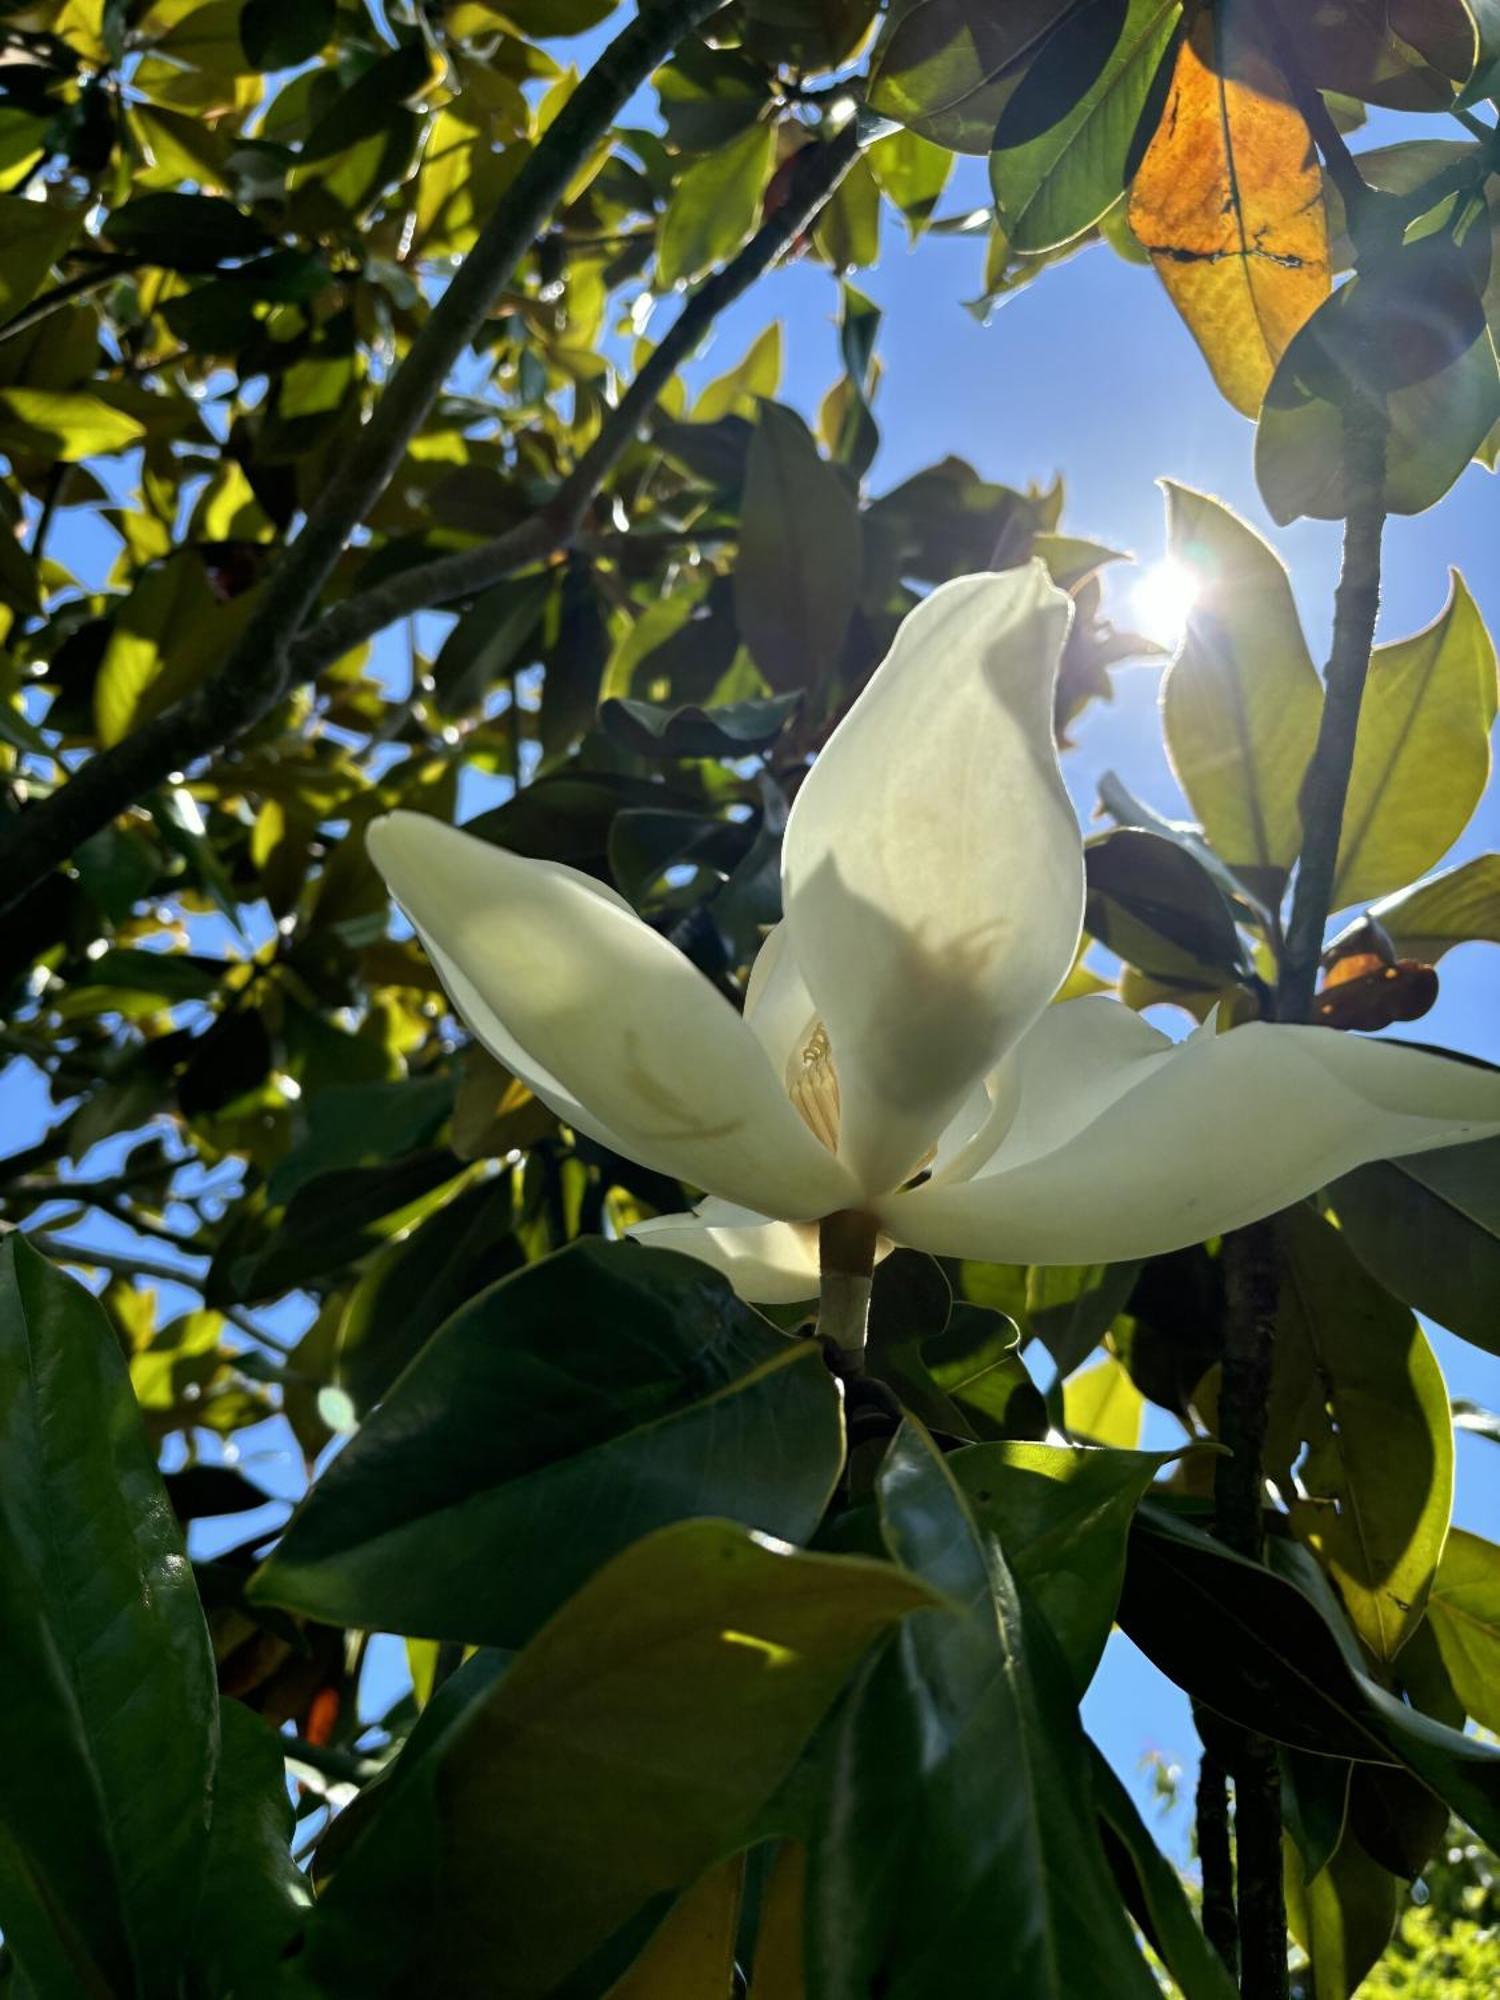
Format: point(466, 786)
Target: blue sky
point(1090, 374)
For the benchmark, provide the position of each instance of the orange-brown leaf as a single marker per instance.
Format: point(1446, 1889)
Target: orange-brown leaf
point(1228, 203)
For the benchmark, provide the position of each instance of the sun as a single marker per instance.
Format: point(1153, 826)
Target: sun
point(1163, 598)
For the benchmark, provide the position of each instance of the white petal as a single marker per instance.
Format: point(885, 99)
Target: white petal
point(778, 1007)
point(1207, 1136)
point(603, 1018)
point(932, 866)
point(768, 1263)
point(1081, 1055)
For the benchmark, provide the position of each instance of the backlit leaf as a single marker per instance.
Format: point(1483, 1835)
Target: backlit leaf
point(1228, 204)
point(1376, 1487)
point(1061, 160)
point(1241, 704)
point(1429, 1229)
point(1460, 905)
point(946, 68)
point(1464, 1612)
point(1422, 752)
point(714, 207)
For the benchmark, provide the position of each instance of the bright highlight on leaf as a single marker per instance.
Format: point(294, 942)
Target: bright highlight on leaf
point(1164, 598)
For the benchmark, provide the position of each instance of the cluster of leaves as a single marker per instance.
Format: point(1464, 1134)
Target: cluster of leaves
point(645, 1742)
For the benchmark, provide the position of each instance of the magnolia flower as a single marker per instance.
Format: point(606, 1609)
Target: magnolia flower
point(899, 1057)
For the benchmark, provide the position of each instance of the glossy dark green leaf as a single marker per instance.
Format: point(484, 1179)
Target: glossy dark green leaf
point(1315, 1805)
point(414, 1284)
point(957, 1826)
point(738, 729)
point(185, 232)
point(1154, 1892)
point(1428, 1228)
point(1154, 904)
point(799, 563)
point(1061, 1514)
point(1060, 160)
point(570, 1409)
point(333, 1222)
point(1268, 1652)
point(568, 817)
point(807, 34)
point(356, 1125)
point(1397, 1821)
point(254, 1895)
point(110, 1728)
point(947, 68)
point(498, 633)
point(280, 34)
point(630, 1745)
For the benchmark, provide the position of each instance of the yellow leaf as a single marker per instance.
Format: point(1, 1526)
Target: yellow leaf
point(691, 1953)
point(1422, 754)
point(1228, 203)
point(1104, 1405)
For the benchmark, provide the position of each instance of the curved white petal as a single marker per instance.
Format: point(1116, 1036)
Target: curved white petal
point(778, 1007)
point(1068, 1069)
point(932, 867)
point(768, 1263)
point(603, 1018)
point(1204, 1137)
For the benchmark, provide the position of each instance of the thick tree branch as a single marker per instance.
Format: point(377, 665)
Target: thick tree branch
point(214, 715)
point(255, 676)
point(555, 526)
point(1326, 785)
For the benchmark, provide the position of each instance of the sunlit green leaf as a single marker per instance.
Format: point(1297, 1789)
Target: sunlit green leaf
point(628, 1747)
point(714, 207)
point(1241, 704)
point(1422, 753)
point(1061, 160)
point(1357, 1381)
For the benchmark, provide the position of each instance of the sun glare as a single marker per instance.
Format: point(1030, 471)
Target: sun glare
point(1163, 598)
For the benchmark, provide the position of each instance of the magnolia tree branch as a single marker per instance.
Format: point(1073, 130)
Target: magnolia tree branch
point(1215, 1857)
point(1326, 785)
point(255, 676)
point(555, 526)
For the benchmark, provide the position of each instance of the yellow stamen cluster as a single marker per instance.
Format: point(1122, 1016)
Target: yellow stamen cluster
point(812, 1083)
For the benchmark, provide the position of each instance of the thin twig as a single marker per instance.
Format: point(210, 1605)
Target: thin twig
point(256, 674)
point(548, 532)
point(1211, 1815)
point(45, 833)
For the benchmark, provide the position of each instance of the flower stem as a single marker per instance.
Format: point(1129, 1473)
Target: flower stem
point(846, 1258)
